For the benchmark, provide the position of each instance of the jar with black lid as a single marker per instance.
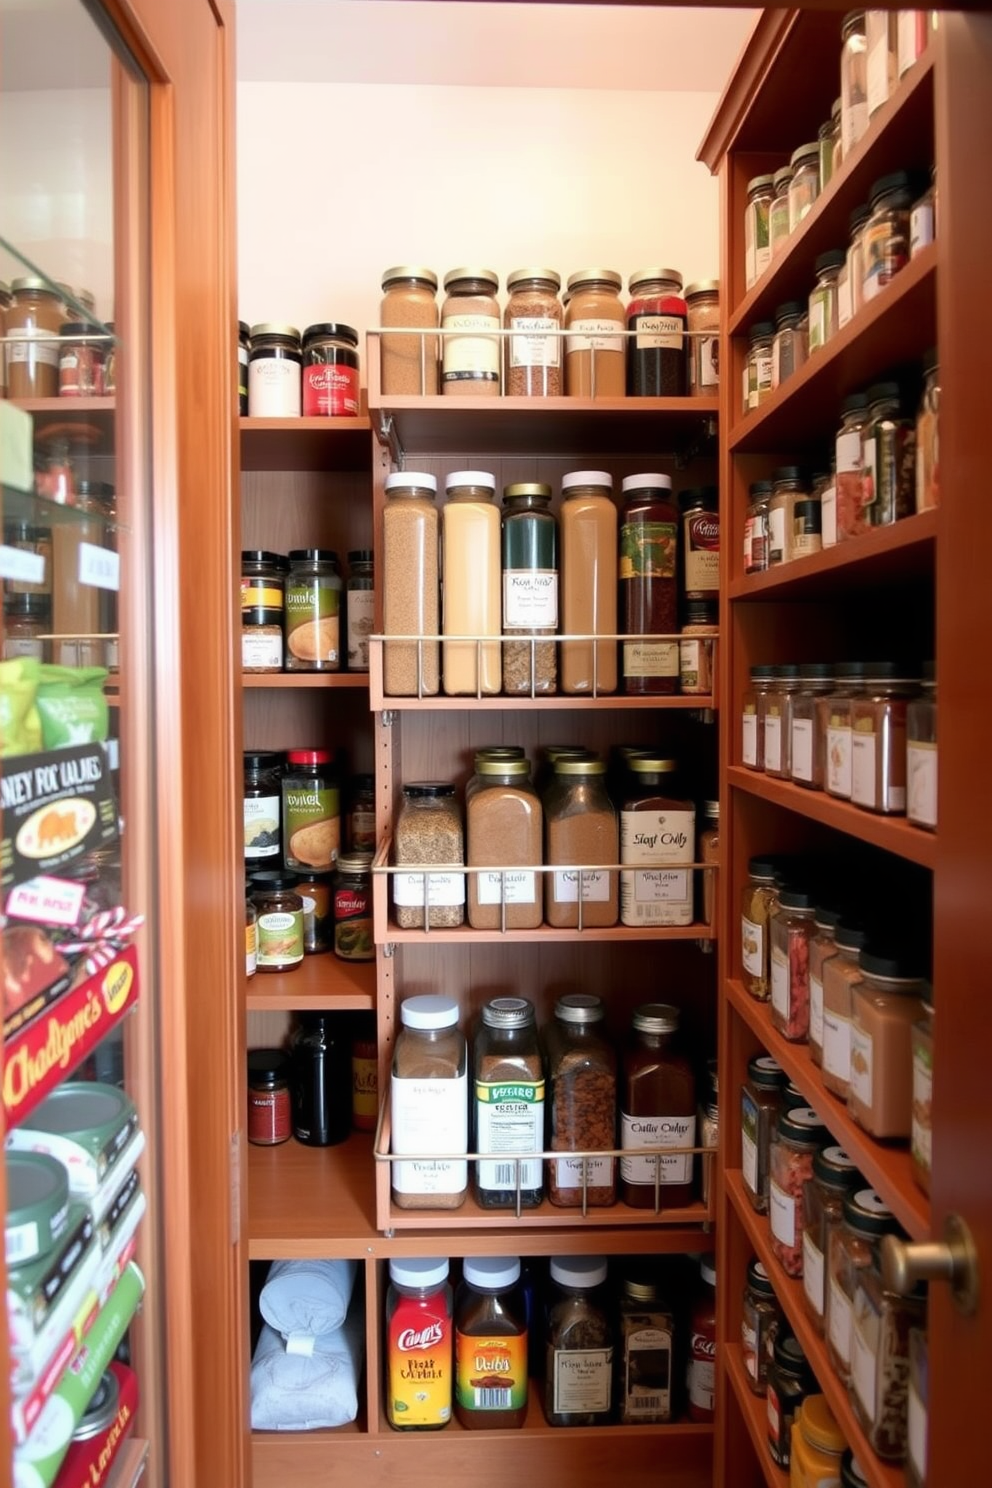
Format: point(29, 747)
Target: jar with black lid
point(263, 598)
point(314, 592)
point(790, 1380)
point(270, 1119)
point(244, 347)
point(529, 547)
point(353, 936)
point(762, 1102)
point(888, 445)
point(757, 534)
point(330, 371)
point(761, 1320)
point(321, 1079)
point(648, 552)
point(275, 371)
point(37, 543)
point(758, 365)
point(885, 246)
point(360, 607)
point(280, 922)
point(834, 1177)
point(658, 316)
point(262, 837)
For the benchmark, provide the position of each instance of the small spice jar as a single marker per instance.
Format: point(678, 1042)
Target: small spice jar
point(756, 527)
point(853, 1246)
point(708, 847)
point(429, 830)
point(657, 1111)
point(411, 595)
point(834, 1177)
point(595, 354)
point(828, 137)
point(280, 923)
point(791, 932)
point(318, 912)
point(850, 287)
point(657, 831)
point(885, 247)
point(758, 366)
point(503, 829)
point(878, 738)
point(759, 899)
point(80, 360)
point(330, 371)
point(263, 598)
point(244, 347)
point(702, 301)
point(841, 974)
point(800, 1134)
point(470, 352)
point(804, 187)
point(645, 1354)
point(34, 322)
point(364, 1073)
point(270, 1116)
point(696, 644)
point(921, 218)
point(778, 211)
point(764, 679)
point(853, 81)
point(817, 1444)
point(507, 1106)
point(789, 345)
point(26, 618)
point(657, 316)
point(776, 717)
point(313, 611)
point(429, 1105)
point(921, 1134)
point(251, 939)
point(757, 242)
point(408, 363)
point(823, 298)
point(261, 807)
point(359, 822)
point(581, 833)
point(790, 1380)
point(701, 546)
point(881, 1323)
point(360, 607)
point(885, 1004)
point(761, 1320)
point(311, 811)
point(788, 487)
point(578, 1379)
point(848, 680)
point(762, 1102)
point(352, 895)
point(807, 722)
point(275, 371)
point(825, 493)
point(806, 537)
point(648, 585)
point(927, 436)
point(532, 359)
point(529, 550)
point(582, 1095)
point(419, 1344)
point(822, 947)
point(490, 1344)
point(888, 442)
point(850, 467)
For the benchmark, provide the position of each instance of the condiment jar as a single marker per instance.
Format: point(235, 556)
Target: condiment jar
point(921, 218)
point(532, 359)
point(700, 546)
point(648, 583)
point(263, 596)
point(756, 527)
point(804, 187)
point(582, 1096)
point(321, 1079)
point(313, 611)
point(885, 246)
point(507, 1105)
point(470, 351)
point(331, 385)
point(261, 807)
point(34, 320)
point(834, 1177)
point(821, 949)
point(808, 729)
point(759, 899)
point(927, 436)
point(778, 211)
point(364, 1072)
point(657, 1112)
point(762, 1102)
point(761, 1319)
point(529, 548)
point(885, 1004)
point(503, 828)
point(657, 316)
point(881, 1323)
point(589, 582)
point(280, 923)
point(850, 286)
point(657, 831)
point(787, 488)
point(270, 1118)
point(471, 593)
point(352, 894)
point(888, 442)
point(490, 1344)
point(578, 1376)
point(850, 467)
point(429, 830)
point(776, 719)
point(853, 1246)
point(757, 243)
point(411, 596)
point(696, 643)
point(80, 360)
point(790, 1380)
point(823, 298)
point(817, 1445)
point(429, 1105)
point(764, 679)
point(758, 365)
point(702, 301)
point(408, 363)
point(701, 1367)
point(315, 889)
point(360, 607)
point(791, 930)
point(800, 1133)
point(921, 1134)
point(841, 974)
point(581, 833)
point(595, 355)
point(275, 371)
point(848, 681)
point(26, 618)
point(311, 811)
point(853, 81)
point(419, 1344)
point(645, 1354)
point(878, 738)
point(789, 345)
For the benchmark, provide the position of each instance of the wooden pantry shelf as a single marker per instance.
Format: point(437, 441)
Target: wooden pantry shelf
point(320, 983)
point(754, 1409)
point(100, 412)
point(305, 679)
point(306, 443)
point(129, 1466)
point(671, 1230)
point(544, 934)
point(892, 834)
point(896, 327)
point(505, 704)
point(883, 555)
point(790, 1293)
point(886, 1167)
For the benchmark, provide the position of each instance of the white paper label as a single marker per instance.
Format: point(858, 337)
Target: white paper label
point(864, 1348)
point(530, 599)
point(773, 742)
point(920, 228)
point(916, 1431)
point(23, 347)
point(46, 901)
point(847, 450)
point(752, 947)
point(837, 1045)
point(657, 1132)
point(702, 1383)
point(921, 784)
point(749, 740)
point(802, 749)
point(594, 335)
point(582, 1380)
point(444, 889)
point(815, 1011)
point(22, 565)
point(274, 385)
point(778, 551)
point(709, 357)
point(530, 348)
point(813, 1273)
point(661, 895)
point(862, 1052)
point(839, 762)
point(922, 1123)
point(429, 1116)
point(22, 1242)
point(782, 1215)
point(853, 122)
point(909, 42)
point(780, 983)
point(515, 885)
point(361, 623)
point(261, 818)
point(658, 332)
point(595, 886)
point(839, 1322)
point(470, 358)
point(569, 1172)
point(749, 1161)
point(862, 768)
point(260, 651)
point(828, 517)
point(878, 71)
point(99, 567)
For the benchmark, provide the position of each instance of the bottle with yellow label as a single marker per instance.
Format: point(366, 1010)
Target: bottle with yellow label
point(418, 1344)
point(490, 1344)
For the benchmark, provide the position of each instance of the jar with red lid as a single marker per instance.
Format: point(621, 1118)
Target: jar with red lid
point(270, 1117)
point(311, 811)
point(330, 371)
point(799, 1136)
point(701, 1372)
point(658, 316)
point(657, 1111)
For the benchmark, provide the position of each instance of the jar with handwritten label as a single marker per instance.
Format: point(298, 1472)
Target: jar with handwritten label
point(657, 1112)
point(471, 353)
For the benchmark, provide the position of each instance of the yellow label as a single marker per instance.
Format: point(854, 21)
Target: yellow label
point(491, 1371)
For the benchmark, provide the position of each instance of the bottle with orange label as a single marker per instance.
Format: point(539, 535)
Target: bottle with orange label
point(418, 1344)
point(490, 1344)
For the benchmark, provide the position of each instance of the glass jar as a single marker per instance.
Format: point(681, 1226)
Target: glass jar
point(503, 830)
point(791, 930)
point(275, 371)
point(578, 1374)
point(708, 1117)
point(827, 495)
point(490, 1344)
point(764, 680)
point(708, 848)
point(789, 345)
point(321, 1080)
point(581, 831)
point(582, 1096)
point(848, 680)
point(804, 187)
point(313, 611)
point(364, 1072)
point(806, 537)
point(759, 900)
point(4, 307)
point(244, 346)
point(408, 363)
point(921, 1133)
point(280, 924)
point(888, 444)
point(645, 1355)
point(775, 718)
point(853, 1247)
point(828, 139)
point(331, 386)
point(429, 830)
point(498, 752)
point(411, 598)
point(878, 738)
point(921, 219)
point(787, 487)
point(756, 527)
point(880, 1327)
point(790, 1380)
point(36, 542)
point(916, 1410)
point(471, 592)
point(110, 364)
point(315, 889)
point(470, 352)
point(823, 298)
point(359, 823)
point(778, 211)
point(757, 243)
point(798, 1137)
point(429, 1105)
point(530, 588)
point(532, 359)
point(758, 366)
point(595, 354)
point(262, 837)
point(851, 486)
point(841, 975)
point(26, 618)
point(657, 832)
point(700, 546)
point(696, 643)
point(761, 1320)
point(927, 437)
point(657, 1111)
point(649, 598)
point(850, 287)
point(834, 1177)
point(885, 248)
point(589, 581)
point(881, 57)
point(703, 319)
point(885, 1004)
point(353, 935)
point(853, 81)
point(507, 1105)
point(419, 1344)
point(762, 1102)
point(701, 1369)
point(360, 607)
point(311, 811)
point(807, 723)
point(817, 1445)
point(34, 321)
point(656, 351)
point(270, 1117)
point(263, 598)
point(80, 360)
point(822, 948)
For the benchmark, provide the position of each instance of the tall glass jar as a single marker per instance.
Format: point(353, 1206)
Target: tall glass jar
point(34, 318)
point(776, 719)
point(885, 1005)
point(834, 1177)
point(761, 1319)
point(508, 1105)
point(778, 211)
point(657, 315)
point(762, 1102)
point(429, 830)
point(888, 443)
point(927, 436)
point(419, 1344)
point(360, 607)
point(657, 1111)
point(532, 358)
point(878, 738)
point(790, 344)
point(853, 1246)
point(850, 467)
point(411, 598)
point(758, 366)
point(657, 832)
point(823, 298)
point(807, 716)
point(645, 1354)
point(581, 832)
point(798, 1136)
point(757, 538)
point(764, 679)
point(471, 589)
point(530, 588)
point(841, 975)
point(503, 832)
point(921, 754)
point(409, 301)
point(275, 371)
point(588, 577)
point(885, 248)
point(757, 244)
point(852, 297)
point(311, 811)
point(649, 585)
point(759, 901)
point(881, 57)
point(788, 487)
point(595, 355)
point(314, 592)
point(853, 81)
point(470, 353)
point(703, 317)
point(822, 948)
point(791, 933)
point(429, 1105)
point(261, 808)
point(880, 1327)
point(804, 187)
point(582, 1097)
point(579, 1338)
point(848, 681)
point(708, 847)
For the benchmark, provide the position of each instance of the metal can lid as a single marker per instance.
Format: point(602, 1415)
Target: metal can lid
point(419, 1271)
point(536, 490)
point(508, 1012)
point(802, 1126)
point(408, 271)
point(266, 328)
point(580, 1007)
point(356, 862)
point(419, 790)
point(34, 282)
point(519, 276)
point(708, 286)
point(593, 276)
point(758, 183)
point(102, 1409)
point(641, 277)
point(37, 1205)
point(429, 1010)
point(491, 1273)
point(652, 481)
point(507, 765)
point(485, 276)
point(651, 764)
point(578, 1271)
point(85, 1110)
point(571, 765)
point(655, 1017)
point(809, 151)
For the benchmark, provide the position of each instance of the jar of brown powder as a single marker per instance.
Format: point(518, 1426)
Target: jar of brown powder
point(503, 827)
point(429, 1105)
point(581, 833)
point(533, 358)
point(410, 591)
point(595, 356)
point(409, 362)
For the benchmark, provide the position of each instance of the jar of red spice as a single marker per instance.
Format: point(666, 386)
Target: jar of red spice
point(270, 1116)
point(701, 1374)
point(658, 316)
point(799, 1136)
point(792, 929)
point(330, 371)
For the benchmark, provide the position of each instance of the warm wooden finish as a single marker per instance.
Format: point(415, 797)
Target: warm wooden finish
point(754, 1409)
point(305, 444)
point(305, 679)
point(882, 555)
point(322, 982)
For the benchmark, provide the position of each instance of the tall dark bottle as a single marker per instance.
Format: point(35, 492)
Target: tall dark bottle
point(321, 1080)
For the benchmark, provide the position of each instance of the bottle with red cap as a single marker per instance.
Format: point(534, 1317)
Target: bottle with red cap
point(311, 811)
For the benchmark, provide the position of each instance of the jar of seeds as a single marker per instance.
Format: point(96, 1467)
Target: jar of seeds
point(429, 830)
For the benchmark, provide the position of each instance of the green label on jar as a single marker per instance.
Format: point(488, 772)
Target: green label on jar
point(280, 938)
point(313, 624)
point(648, 549)
point(311, 826)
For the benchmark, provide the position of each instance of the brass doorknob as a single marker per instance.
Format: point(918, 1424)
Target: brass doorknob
point(905, 1263)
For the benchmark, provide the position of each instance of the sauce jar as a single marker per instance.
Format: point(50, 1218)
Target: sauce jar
point(353, 934)
point(261, 807)
point(834, 1177)
point(408, 363)
point(490, 1344)
point(533, 358)
point(644, 1354)
point(762, 1102)
point(853, 1246)
point(790, 1380)
point(34, 322)
point(269, 1108)
point(791, 932)
point(275, 371)
point(582, 1096)
point(761, 1320)
point(280, 923)
point(263, 596)
point(817, 1445)
point(885, 1004)
point(757, 242)
point(419, 1344)
point(318, 912)
point(759, 899)
point(657, 1111)
point(702, 301)
point(595, 355)
point(878, 738)
point(311, 811)
point(798, 1136)
point(330, 371)
point(313, 611)
point(658, 317)
point(429, 1100)
point(648, 551)
point(470, 352)
point(360, 607)
point(701, 1367)
point(578, 1375)
point(657, 831)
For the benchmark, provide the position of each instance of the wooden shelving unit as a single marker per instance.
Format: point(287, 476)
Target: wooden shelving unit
point(754, 1409)
point(320, 983)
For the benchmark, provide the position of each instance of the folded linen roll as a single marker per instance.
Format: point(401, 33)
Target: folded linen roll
point(303, 1392)
point(307, 1297)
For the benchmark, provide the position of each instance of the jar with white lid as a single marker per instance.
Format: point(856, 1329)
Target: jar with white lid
point(429, 1105)
point(471, 587)
point(532, 359)
point(579, 1343)
point(470, 353)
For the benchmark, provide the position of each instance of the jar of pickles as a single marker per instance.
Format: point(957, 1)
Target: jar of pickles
point(761, 1319)
point(791, 932)
point(763, 679)
point(762, 1102)
point(834, 1177)
point(808, 712)
point(853, 1246)
point(757, 244)
point(776, 718)
point(841, 974)
point(878, 738)
point(798, 1136)
point(822, 948)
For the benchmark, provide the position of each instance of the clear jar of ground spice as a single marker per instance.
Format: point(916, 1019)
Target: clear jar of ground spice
point(657, 831)
point(885, 1005)
point(508, 1105)
point(409, 302)
point(841, 974)
point(763, 680)
point(503, 829)
point(595, 349)
point(807, 722)
point(702, 301)
point(849, 679)
point(878, 738)
point(80, 361)
point(532, 358)
point(778, 211)
point(331, 385)
point(582, 1097)
point(657, 1113)
point(428, 831)
point(791, 932)
point(757, 243)
point(776, 715)
point(429, 1105)
point(798, 1136)
point(581, 833)
point(834, 1177)
point(822, 948)
point(275, 371)
point(588, 582)
point(263, 599)
point(656, 352)
point(850, 466)
point(762, 1102)
point(529, 543)
point(648, 570)
point(34, 320)
point(411, 601)
point(314, 592)
point(471, 354)
point(788, 487)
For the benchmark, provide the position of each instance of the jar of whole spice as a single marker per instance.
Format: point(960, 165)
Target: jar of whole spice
point(657, 1112)
point(885, 1005)
point(648, 604)
point(800, 1133)
point(853, 1246)
point(761, 1320)
point(588, 581)
point(759, 899)
point(778, 211)
point(921, 753)
point(762, 1101)
point(645, 1354)
point(807, 724)
point(757, 243)
point(508, 1105)
point(657, 832)
point(360, 607)
point(821, 949)
point(529, 541)
point(581, 833)
point(429, 830)
point(578, 1376)
point(878, 738)
point(582, 1097)
point(657, 316)
point(834, 1177)
point(841, 974)
point(470, 352)
point(470, 564)
point(313, 611)
point(888, 445)
point(263, 598)
point(533, 357)
point(595, 356)
point(791, 932)
point(411, 600)
point(429, 1105)
point(881, 1322)
point(409, 303)
point(503, 828)
point(702, 301)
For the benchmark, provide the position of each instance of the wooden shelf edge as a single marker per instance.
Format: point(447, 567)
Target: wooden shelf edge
point(919, 530)
point(544, 934)
point(669, 1229)
point(542, 407)
point(754, 1409)
point(351, 424)
point(887, 1169)
point(130, 1465)
point(323, 982)
point(558, 701)
point(305, 679)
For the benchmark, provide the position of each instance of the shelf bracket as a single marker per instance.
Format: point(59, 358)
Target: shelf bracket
point(386, 431)
point(389, 949)
point(388, 717)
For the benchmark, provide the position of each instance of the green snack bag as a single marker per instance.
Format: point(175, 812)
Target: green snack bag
point(20, 725)
point(72, 706)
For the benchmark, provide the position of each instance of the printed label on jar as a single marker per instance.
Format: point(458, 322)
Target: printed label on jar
point(828, 517)
point(360, 606)
point(313, 618)
point(920, 228)
point(778, 552)
point(862, 1060)
point(782, 1215)
point(274, 385)
point(763, 371)
point(659, 332)
point(470, 358)
point(595, 886)
point(429, 1116)
point(261, 826)
point(251, 948)
point(780, 982)
point(839, 1322)
point(818, 319)
point(863, 755)
point(27, 346)
point(865, 1331)
point(774, 1419)
point(839, 762)
point(656, 838)
point(916, 1432)
point(362, 829)
point(708, 362)
point(491, 1371)
point(696, 666)
point(773, 742)
point(749, 1348)
point(311, 827)
point(648, 550)
point(815, 1011)
point(530, 599)
point(651, 658)
point(512, 885)
point(261, 648)
point(572, 1172)
point(647, 1374)
point(837, 1045)
point(749, 1163)
point(752, 947)
point(657, 1132)
point(813, 1274)
point(657, 896)
point(702, 1383)
point(802, 749)
point(353, 935)
point(921, 784)
point(702, 555)
point(594, 335)
point(330, 391)
point(443, 890)
point(922, 1123)
point(280, 938)
point(531, 349)
point(749, 740)
point(419, 1350)
point(582, 1380)
point(509, 1119)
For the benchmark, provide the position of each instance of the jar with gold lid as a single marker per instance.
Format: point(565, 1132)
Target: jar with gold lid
point(470, 351)
point(409, 303)
point(533, 358)
point(34, 320)
point(595, 356)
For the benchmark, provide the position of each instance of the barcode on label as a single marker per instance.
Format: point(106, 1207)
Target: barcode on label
point(505, 1175)
point(492, 1399)
point(22, 1243)
point(648, 1403)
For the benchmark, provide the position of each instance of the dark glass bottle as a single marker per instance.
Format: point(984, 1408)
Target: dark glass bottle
point(579, 1333)
point(648, 600)
point(321, 1080)
point(530, 587)
point(490, 1344)
point(658, 1111)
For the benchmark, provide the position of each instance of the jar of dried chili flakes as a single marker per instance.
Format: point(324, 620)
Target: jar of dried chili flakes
point(799, 1136)
point(792, 928)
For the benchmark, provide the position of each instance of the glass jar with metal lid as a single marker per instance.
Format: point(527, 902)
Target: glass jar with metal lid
point(804, 187)
point(759, 900)
point(503, 829)
point(835, 1175)
point(429, 831)
point(314, 591)
point(756, 534)
point(778, 211)
point(753, 710)
point(34, 321)
point(80, 360)
point(498, 753)
point(757, 244)
point(315, 889)
point(532, 358)
point(411, 595)
point(507, 1105)
point(645, 1351)
point(788, 486)
point(888, 443)
point(848, 680)
point(776, 718)
point(470, 352)
point(657, 315)
point(761, 1319)
point(850, 287)
point(648, 584)
point(331, 386)
point(280, 923)
point(921, 753)
point(263, 598)
point(408, 363)
point(657, 832)
point(841, 974)
point(762, 1102)
point(790, 341)
point(791, 932)
point(790, 1380)
point(878, 737)
point(881, 1325)
point(657, 1112)
point(853, 1246)
point(588, 581)
point(581, 834)
point(352, 896)
point(853, 81)
point(823, 298)
point(360, 607)
point(823, 948)
point(595, 354)
point(26, 619)
point(702, 301)
point(529, 543)
point(582, 1098)
point(799, 1134)
point(807, 719)
point(275, 371)
point(885, 248)
point(850, 466)
point(885, 1005)
point(758, 365)
point(261, 807)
